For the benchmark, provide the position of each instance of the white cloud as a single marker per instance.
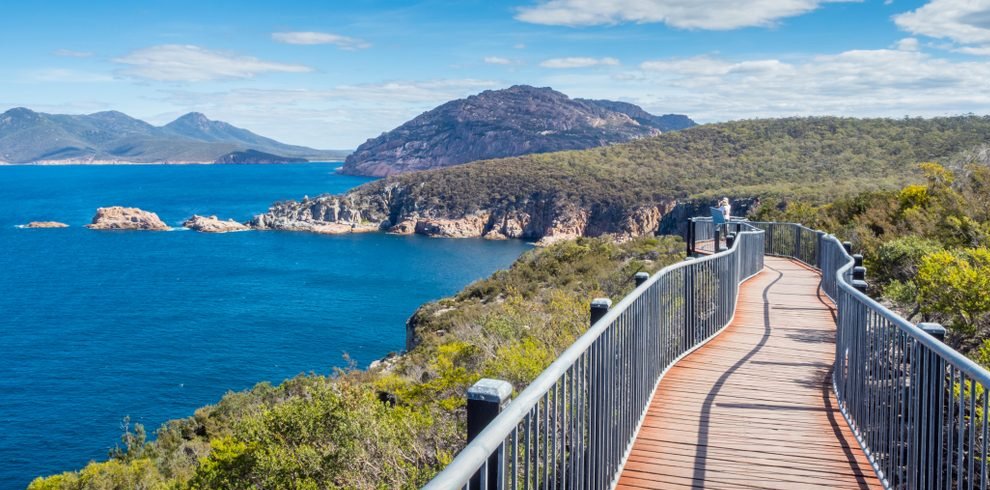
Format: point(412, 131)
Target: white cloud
point(684, 14)
point(882, 82)
point(578, 62)
point(497, 60)
point(71, 53)
point(175, 62)
point(67, 76)
point(310, 38)
point(907, 44)
point(339, 117)
point(962, 21)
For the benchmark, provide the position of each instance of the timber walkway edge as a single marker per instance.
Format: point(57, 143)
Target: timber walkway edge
point(753, 408)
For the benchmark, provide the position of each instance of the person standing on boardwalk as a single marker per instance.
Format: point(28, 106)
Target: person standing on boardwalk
point(726, 208)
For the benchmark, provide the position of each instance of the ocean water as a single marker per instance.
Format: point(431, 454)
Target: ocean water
point(96, 326)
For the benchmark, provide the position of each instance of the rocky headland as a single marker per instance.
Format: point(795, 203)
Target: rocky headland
point(212, 224)
point(542, 218)
point(45, 224)
point(121, 218)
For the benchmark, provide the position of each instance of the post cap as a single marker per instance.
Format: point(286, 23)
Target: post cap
point(689, 258)
point(934, 329)
point(643, 275)
point(860, 285)
point(601, 303)
point(490, 390)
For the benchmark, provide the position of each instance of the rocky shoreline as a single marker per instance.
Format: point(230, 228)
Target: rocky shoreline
point(542, 219)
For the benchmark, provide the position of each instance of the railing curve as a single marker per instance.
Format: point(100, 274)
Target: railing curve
point(573, 426)
point(917, 407)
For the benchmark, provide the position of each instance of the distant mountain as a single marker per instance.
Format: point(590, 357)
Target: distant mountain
point(32, 137)
point(501, 123)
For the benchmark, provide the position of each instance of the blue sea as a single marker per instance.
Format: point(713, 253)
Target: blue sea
point(97, 325)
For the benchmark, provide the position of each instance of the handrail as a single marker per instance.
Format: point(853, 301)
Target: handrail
point(917, 407)
point(574, 424)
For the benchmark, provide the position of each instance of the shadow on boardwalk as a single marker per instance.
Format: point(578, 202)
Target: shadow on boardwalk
point(754, 407)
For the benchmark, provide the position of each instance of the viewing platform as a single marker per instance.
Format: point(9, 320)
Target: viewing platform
point(764, 365)
point(754, 407)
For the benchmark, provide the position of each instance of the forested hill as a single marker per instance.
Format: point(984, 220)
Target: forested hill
point(625, 188)
point(515, 121)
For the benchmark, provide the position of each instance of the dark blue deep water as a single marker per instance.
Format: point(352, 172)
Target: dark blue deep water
point(95, 326)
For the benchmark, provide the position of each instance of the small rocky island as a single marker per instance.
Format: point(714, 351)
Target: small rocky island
point(121, 218)
point(45, 224)
point(212, 224)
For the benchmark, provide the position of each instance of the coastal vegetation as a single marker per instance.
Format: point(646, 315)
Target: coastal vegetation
point(926, 246)
point(625, 188)
point(396, 424)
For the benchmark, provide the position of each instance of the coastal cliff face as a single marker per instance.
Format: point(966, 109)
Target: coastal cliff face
point(393, 208)
point(501, 123)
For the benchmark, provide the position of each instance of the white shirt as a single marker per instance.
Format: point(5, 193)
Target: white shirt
point(726, 211)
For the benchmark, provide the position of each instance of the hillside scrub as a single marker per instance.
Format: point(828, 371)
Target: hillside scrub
point(395, 425)
point(815, 158)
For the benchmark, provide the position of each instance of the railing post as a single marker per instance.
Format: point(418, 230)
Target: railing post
point(689, 313)
point(848, 246)
point(641, 277)
point(934, 398)
point(820, 235)
point(797, 242)
point(933, 329)
point(690, 237)
point(485, 400)
point(858, 260)
point(859, 273)
point(859, 285)
point(729, 240)
point(599, 307)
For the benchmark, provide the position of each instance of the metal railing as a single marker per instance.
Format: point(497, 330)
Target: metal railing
point(573, 426)
point(917, 407)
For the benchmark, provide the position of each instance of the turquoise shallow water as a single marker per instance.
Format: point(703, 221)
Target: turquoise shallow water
point(101, 325)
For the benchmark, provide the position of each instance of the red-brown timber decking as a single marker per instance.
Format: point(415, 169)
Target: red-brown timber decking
point(754, 407)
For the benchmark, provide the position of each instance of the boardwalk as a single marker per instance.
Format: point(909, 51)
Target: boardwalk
point(753, 409)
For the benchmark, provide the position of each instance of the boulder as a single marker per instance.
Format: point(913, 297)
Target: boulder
point(45, 224)
point(121, 218)
point(211, 224)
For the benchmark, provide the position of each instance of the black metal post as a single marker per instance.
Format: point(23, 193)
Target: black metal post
point(859, 273)
point(860, 285)
point(848, 246)
point(729, 240)
point(858, 260)
point(599, 307)
point(641, 277)
point(485, 400)
point(690, 237)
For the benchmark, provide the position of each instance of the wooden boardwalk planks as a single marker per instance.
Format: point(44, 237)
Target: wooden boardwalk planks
point(754, 407)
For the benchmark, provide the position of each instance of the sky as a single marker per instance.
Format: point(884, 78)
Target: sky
point(332, 73)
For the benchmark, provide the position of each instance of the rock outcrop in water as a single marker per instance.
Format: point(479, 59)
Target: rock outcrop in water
point(211, 224)
point(45, 224)
point(500, 123)
point(329, 215)
point(121, 218)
